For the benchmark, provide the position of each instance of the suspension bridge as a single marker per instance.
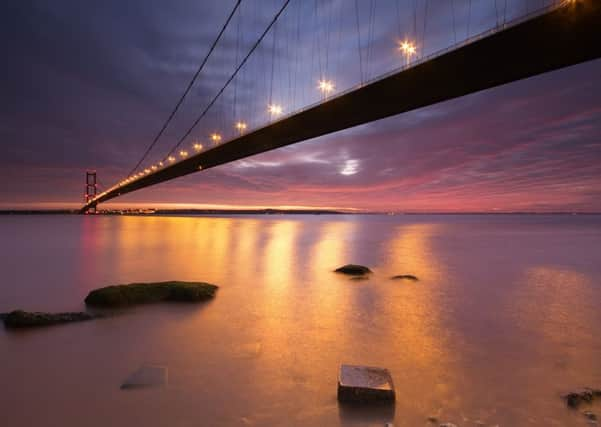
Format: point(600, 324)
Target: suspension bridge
point(554, 35)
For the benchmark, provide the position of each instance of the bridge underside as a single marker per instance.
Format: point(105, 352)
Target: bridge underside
point(566, 36)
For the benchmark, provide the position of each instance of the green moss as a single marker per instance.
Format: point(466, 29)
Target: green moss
point(141, 293)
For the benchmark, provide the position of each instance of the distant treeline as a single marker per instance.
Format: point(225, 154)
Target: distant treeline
point(147, 212)
point(38, 212)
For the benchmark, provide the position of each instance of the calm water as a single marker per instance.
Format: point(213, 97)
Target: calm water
point(506, 316)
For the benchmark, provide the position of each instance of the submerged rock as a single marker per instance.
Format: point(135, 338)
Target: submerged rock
point(140, 293)
point(146, 376)
point(405, 276)
point(353, 270)
point(359, 278)
point(26, 319)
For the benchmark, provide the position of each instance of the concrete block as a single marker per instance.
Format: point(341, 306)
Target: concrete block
point(364, 384)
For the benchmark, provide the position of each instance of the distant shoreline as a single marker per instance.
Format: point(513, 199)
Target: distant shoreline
point(208, 212)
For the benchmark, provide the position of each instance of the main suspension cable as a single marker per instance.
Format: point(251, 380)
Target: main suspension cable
point(190, 84)
point(229, 80)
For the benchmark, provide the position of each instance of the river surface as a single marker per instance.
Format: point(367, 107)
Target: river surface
point(505, 318)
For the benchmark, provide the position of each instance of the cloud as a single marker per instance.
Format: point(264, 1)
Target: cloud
point(88, 84)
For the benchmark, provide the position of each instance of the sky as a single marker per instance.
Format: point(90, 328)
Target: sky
point(87, 85)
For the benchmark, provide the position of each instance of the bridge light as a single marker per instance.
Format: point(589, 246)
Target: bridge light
point(197, 146)
point(325, 86)
point(147, 171)
point(171, 159)
point(241, 126)
point(274, 109)
point(200, 167)
point(408, 48)
point(183, 154)
point(216, 138)
point(154, 167)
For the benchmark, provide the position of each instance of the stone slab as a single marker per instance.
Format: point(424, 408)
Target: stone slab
point(364, 384)
point(146, 376)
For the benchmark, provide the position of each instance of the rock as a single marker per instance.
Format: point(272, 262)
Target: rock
point(575, 398)
point(353, 270)
point(572, 399)
point(405, 277)
point(433, 420)
point(590, 415)
point(26, 319)
point(447, 425)
point(139, 293)
point(146, 376)
point(364, 384)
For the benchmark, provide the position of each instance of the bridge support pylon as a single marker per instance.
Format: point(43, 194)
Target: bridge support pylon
point(90, 190)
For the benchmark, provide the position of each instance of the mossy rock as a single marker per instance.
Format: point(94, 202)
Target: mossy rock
point(25, 319)
point(405, 277)
point(353, 270)
point(142, 293)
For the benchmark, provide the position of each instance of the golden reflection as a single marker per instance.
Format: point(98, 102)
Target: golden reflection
point(329, 253)
point(553, 308)
point(279, 256)
point(411, 252)
point(215, 233)
point(206, 244)
point(555, 302)
point(277, 309)
point(244, 246)
point(416, 330)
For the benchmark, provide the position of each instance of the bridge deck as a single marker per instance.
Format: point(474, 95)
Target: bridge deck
point(562, 37)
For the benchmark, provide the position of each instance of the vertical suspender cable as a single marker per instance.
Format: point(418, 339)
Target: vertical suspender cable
point(425, 26)
point(370, 36)
point(359, 40)
point(469, 17)
point(398, 18)
point(236, 63)
point(454, 27)
point(272, 65)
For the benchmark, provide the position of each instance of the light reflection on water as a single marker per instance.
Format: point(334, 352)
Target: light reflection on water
point(505, 317)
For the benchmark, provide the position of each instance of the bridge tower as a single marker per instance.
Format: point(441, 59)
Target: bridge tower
point(90, 189)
